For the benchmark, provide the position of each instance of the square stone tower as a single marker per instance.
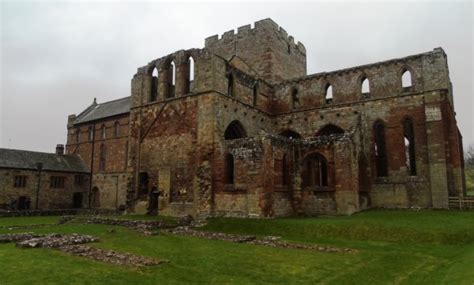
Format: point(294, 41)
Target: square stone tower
point(267, 48)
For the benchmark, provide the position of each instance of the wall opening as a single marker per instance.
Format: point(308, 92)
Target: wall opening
point(409, 141)
point(407, 82)
point(381, 164)
point(116, 129)
point(235, 130)
point(254, 95)
point(329, 129)
point(328, 94)
point(290, 134)
point(230, 85)
point(143, 183)
point(190, 79)
point(103, 132)
point(91, 133)
point(154, 85)
point(295, 101)
point(229, 169)
point(315, 173)
point(365, 87)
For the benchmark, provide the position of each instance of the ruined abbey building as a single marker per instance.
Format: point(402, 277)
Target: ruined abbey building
point(238, 128)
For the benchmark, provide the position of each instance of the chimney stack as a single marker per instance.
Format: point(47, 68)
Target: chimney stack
point(60, 149)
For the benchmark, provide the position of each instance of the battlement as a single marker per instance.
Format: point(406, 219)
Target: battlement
point(264, 26)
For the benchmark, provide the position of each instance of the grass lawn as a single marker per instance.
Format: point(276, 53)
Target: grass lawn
point(394, 247)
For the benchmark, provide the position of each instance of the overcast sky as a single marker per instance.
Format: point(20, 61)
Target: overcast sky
point(56, 57)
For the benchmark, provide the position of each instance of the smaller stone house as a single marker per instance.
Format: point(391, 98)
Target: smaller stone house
point(37, 180)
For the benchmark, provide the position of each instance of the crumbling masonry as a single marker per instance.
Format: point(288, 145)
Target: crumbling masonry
point(238, 128)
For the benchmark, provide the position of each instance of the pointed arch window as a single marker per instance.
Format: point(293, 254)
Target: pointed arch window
point(328, 94)
point(154, 85)
point(365, 87)
point(409, 141)
point(171, 80)
point(190, 79)
point(235, 130)
point(407, 82)
point(380, 149)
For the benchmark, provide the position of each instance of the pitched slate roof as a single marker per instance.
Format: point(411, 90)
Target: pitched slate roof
point(23, 159)
point(104, 110)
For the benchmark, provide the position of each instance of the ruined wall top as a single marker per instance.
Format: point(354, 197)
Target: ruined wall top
point(262, 25)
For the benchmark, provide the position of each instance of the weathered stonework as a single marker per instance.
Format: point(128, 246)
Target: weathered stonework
point(251, 135)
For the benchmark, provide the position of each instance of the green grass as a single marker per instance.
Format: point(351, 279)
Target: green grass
point(394, 247)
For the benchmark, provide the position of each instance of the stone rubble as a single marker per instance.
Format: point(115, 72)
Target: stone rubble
point(55, 241)
point(270, 241)
point(74, 244)
point(110, 256)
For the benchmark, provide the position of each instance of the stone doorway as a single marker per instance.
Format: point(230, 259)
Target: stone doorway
point(23, 203)
point(77, 199)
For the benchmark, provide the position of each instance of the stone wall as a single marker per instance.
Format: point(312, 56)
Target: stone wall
point(49, 198)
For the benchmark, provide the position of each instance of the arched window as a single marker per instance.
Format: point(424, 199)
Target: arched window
point(116, 129)
point(171, 80)
point(235, 130)
point(328, 94)
point(315, 173)
point(104, 132)
point(329, 129)
point(290, 134)
point(91, 133)
point(365, 87)
point(380, 149)
point(103, 158)
point(407, 82)
point(229, 169)
point(230, 85)
point(154, 85)
point(409, 140)
point(191, 68)
point(254, 95)
point(295, 101)
point(78, 135)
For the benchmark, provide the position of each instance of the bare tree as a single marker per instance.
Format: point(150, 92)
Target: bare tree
point(469, 156)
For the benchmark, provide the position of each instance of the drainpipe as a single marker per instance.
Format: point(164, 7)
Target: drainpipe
point(39, 166)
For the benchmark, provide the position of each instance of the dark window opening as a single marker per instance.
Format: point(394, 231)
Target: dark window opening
point(78, 180)
point(143, 180)
point(235, 130)
point(230, 85)
point(154, 85)
point(409, 140)
point(255, 95)
point(23, 203)
point(116, 129)
point(229, 169)
point(295, 101)
point(290, 134)
point(315, 174)
point(20, 181)
point(329, 129)
point(380, 150)
point(56, 182)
